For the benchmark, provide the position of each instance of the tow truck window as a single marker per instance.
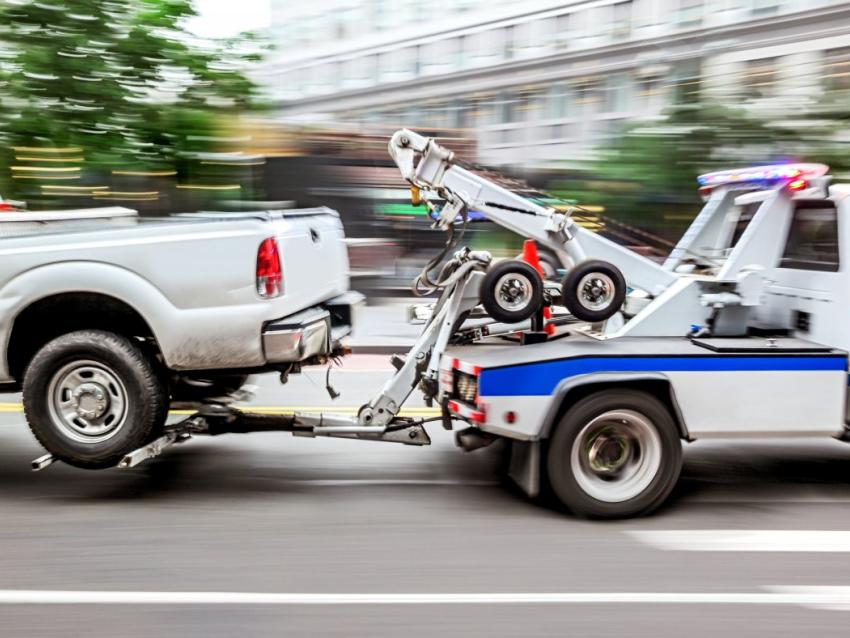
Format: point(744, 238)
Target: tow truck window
point(812, 239)
point(747, 212)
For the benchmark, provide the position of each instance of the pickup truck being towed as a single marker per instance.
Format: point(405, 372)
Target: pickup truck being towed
point(106, 318)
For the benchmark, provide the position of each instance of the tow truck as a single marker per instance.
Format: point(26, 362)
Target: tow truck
point(596, 382)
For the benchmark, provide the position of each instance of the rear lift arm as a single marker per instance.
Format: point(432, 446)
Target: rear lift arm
point(428, 166)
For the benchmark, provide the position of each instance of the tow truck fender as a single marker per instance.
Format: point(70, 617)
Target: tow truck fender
point(526, 457)
point(572, 389)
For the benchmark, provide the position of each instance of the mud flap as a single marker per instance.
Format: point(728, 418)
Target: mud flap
point(524, 469)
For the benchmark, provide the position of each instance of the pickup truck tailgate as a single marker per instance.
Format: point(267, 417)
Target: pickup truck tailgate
point(313, 253)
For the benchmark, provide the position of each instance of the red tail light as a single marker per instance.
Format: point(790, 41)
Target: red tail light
point(5, 207)
point(269, 272)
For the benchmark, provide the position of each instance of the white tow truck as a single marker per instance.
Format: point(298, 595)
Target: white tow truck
point(740, 332)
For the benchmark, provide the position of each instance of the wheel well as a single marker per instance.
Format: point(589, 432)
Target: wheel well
point(60, 314)
point(658, 388)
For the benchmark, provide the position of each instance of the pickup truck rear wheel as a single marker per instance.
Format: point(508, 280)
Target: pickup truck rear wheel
point(91, 396)
point(615, 454)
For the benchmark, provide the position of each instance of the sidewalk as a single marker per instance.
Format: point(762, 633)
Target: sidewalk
point(383, 329)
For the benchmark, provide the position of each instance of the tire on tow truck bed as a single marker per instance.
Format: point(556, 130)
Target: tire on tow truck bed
point(615, 454)
point(92, 396)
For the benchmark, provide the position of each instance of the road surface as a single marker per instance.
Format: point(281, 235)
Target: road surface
point(267, 534)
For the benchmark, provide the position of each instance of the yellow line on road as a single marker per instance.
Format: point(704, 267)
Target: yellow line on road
point(279, 409)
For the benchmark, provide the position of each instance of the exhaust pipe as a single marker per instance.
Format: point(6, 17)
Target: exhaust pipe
point(471, 439)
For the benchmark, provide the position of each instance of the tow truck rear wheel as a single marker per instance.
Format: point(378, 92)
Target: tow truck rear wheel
point(615, 454)
point(511, 291)
point(593, 290)
point(92, 396)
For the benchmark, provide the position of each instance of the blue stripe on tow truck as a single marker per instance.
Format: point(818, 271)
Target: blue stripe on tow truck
point(539, 379)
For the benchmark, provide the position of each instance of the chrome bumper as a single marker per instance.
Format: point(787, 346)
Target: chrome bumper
point(312, 332)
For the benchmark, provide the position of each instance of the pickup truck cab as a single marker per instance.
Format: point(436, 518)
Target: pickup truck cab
point(106, 317)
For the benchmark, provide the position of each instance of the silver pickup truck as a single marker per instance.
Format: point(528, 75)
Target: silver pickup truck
point(107, 318)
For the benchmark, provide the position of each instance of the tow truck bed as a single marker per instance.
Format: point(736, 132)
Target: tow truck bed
point(753, 390)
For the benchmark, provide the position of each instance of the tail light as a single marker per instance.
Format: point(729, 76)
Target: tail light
point(465, 400)
point(269, 272)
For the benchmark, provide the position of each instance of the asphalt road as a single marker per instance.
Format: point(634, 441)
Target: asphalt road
point(272, 535)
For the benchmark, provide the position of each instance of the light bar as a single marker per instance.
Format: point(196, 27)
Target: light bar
point(764, 175)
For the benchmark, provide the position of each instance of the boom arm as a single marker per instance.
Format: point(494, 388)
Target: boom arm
point(463, 190)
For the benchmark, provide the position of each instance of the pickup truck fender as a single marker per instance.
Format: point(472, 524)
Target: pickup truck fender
point(189, 339)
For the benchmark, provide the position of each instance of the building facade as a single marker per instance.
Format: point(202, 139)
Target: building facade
point(544, 83)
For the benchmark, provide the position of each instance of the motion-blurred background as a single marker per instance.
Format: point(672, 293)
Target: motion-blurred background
point(167, 106)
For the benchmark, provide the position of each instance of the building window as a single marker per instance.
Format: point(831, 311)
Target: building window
point(812, 239)
point(685, 82)
point(441, 56)
point(621, 26)
point(690, 13)
point(618, 93)
point(508, 43)
point(760, 78)
point(484, 48)
point(763, 7)
point(561, 35)
point(533, 38)
point(836, 69)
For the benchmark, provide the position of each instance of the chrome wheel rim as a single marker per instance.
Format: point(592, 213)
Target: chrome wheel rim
point(616, 456)
point(513, 291)
point(87, 401)
point(596, 291)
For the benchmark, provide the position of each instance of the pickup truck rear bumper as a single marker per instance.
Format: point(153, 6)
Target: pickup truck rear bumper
point(312, 332)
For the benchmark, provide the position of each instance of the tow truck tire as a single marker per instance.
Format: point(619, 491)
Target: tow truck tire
point(615, 454)
point(593, 290)
point(92, 396)
point(511, 291)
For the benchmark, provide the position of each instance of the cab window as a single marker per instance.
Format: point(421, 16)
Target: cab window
point(813, 238)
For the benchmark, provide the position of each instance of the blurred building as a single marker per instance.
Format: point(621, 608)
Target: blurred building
point(542, 83)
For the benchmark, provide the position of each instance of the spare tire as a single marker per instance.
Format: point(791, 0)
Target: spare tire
point(511, 291)
point(593, 290)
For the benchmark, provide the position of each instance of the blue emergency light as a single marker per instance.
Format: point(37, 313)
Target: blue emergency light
point(795, 176)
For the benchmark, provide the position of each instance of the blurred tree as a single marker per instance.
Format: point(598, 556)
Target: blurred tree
point(646, 176)
point(123, 82)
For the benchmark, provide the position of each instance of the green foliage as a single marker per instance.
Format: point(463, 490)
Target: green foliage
point(647, 175)
point(122, 81)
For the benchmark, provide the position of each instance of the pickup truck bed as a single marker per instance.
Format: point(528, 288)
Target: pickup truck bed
point(190, 278)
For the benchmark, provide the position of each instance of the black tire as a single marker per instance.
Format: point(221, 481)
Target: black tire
point(185, 388)
point(647, 475)
point(608, 288)
point(110, 375)
point(498, 282)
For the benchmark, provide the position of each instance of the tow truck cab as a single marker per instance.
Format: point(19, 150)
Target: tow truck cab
point(784, 373)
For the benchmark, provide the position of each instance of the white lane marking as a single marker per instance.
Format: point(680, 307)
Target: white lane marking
point(832, 597)
point(745, 540)
point(826, 597)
